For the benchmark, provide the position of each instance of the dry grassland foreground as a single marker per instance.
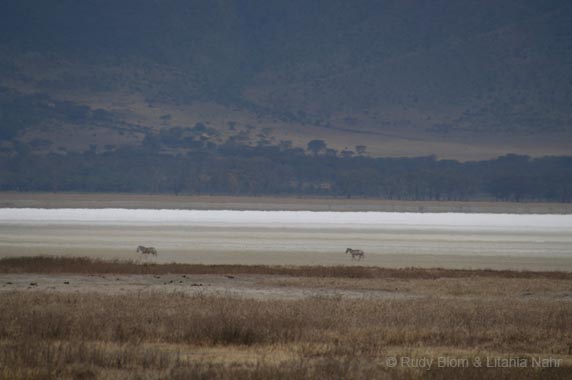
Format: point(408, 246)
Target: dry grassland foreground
point(433, 323)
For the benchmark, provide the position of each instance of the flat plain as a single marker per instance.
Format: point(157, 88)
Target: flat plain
point(228, 302)
point(293, 237)
point(79, 318)
point(206, 202)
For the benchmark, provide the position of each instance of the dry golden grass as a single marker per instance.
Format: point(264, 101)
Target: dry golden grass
point(45, 335)
point(55, 332)
point(51, 264)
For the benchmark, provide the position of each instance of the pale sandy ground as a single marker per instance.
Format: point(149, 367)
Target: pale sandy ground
point(74, 200)
point(542, 250)
point(276, 287)
point(244, 286)
point(530, 250)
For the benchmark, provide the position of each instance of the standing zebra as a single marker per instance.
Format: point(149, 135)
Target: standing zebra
point(147, 250)
point(357, 254)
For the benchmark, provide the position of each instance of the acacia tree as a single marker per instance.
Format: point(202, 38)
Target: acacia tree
point(360, 149)
point(317, 146)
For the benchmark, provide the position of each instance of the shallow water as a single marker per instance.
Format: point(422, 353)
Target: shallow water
point(294, 237)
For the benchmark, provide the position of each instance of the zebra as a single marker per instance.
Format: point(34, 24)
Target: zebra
point(357, 254)
point(147, 250)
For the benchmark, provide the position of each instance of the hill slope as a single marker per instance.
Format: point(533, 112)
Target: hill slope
point(460, 79)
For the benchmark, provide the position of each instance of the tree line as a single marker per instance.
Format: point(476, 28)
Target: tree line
point(235, 169)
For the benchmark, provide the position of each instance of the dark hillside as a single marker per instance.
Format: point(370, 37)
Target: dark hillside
point(441, 66)
point(258, 81)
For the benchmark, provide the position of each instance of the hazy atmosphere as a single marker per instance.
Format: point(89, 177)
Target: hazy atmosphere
point(289, 189)
point(316, 97)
